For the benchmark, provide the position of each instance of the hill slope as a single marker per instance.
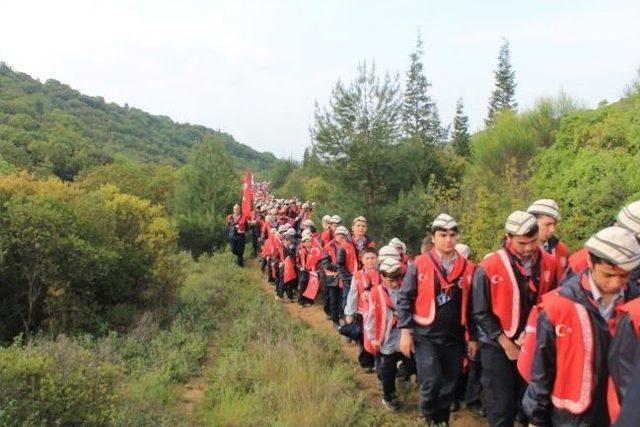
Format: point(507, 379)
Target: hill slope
point(50, 127)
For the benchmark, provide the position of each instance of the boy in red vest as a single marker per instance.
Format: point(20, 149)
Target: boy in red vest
point(547, 213)
point(365, 279)
point(236, 230)
point(303, 275)
point(506, 286)
point(624, 355)
point(333, 267)
point(432, 315)
point(347, 261)
point(359, 236)
point(381, 330)
point(569, 374)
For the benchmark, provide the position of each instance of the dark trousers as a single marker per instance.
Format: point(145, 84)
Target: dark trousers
point(283, 287)
point(254, 243)
point(473, 391)
point(345, 296)
point(366, 359)
point(503, 386)
point(438, 367)
point(303, 281)
point(237, 244)
point(332, 303)
point(386, 370)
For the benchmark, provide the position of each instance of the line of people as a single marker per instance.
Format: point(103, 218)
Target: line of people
point(546, 338)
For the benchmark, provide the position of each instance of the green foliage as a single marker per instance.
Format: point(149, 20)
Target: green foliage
point(460, 138)
point(592, 169)
point(420, 118)
point(502, 97)
point(76, 259)
point(55, 383)
point(207, 188)
point(354, 135)
point(52, 129)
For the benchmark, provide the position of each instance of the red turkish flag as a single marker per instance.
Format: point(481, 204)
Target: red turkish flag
point(247, 195)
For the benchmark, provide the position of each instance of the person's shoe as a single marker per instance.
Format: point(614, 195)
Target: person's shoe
point(336, 325)
point(391, 404)
point(289, 299)
point(369, 370)
point(278, 298)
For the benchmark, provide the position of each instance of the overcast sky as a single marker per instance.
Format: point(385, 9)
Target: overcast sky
point(255, 68)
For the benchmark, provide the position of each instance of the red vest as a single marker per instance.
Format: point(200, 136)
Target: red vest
point(573, 386)
point(579, 260)
point(562, 254)
point(326, 236)
point(384, 318)
point(505, 293)
point(424, 308)
point(632, 309)
point(351, 261)
point(365, 282)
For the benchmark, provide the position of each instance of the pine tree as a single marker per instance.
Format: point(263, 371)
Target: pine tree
point(503, 95)
point(419, 112)
point(460, 138)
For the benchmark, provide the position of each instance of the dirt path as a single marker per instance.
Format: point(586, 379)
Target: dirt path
point(314, 316)
point(193, 390)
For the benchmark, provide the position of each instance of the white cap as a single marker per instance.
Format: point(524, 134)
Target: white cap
point(326, 219)
point(445, 221)
point(616, 245)
point(388, 252)
point(359, 219)
point(305, 237)
point(463, 250)
point(629, 218)
point(336, 219)
point(389, 265)
point(398, 244)
point(342, 230)
point(545, 207)
point(520, 223)
point(308, 223)
point(283, 228)
point(306, 233)
point(290, 232)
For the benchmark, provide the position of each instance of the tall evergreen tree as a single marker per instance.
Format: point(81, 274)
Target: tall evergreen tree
point(460, 138)
point(355, 133)
point(419, 112)
point(503, 95)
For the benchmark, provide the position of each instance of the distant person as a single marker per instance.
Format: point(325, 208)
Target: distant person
point(236, 230)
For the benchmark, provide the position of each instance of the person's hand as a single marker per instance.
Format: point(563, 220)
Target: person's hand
point(473, 347)
point(520, 339)
point(348, 319)
point(406, 345)
point(510, 348)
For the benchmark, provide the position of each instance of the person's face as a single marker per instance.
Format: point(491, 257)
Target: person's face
point(359, 228)
point(525, 247)
point(334, 225)
point(389, 282)
point(236, 209)
point(338, 237)
point(325, 225)
point(369, 260)
point(307, 243)
point(445, 241)
point(608, 278)
point(546, 227)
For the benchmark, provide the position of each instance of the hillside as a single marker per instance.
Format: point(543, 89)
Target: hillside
point(50, 127)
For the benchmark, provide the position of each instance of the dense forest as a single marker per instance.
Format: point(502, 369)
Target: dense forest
point(105, 209)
